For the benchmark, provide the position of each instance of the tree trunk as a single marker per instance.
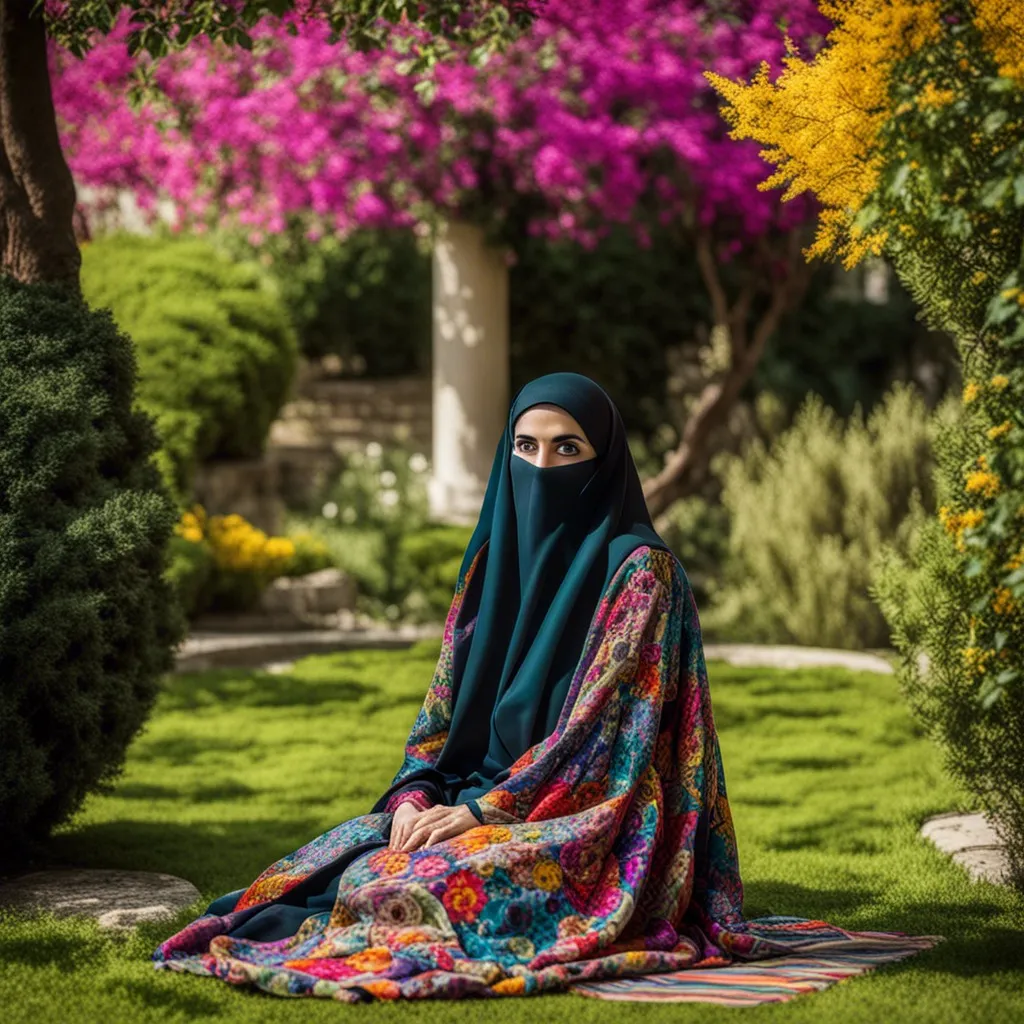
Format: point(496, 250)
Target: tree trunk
point(685, 467)
point(37, 193)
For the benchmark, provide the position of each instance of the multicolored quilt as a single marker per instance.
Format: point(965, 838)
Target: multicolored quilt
point(614, 856)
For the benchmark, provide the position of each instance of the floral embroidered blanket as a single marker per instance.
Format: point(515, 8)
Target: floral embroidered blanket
point(613, 854)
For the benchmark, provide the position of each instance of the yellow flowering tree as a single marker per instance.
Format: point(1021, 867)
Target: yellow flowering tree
point(908, 126)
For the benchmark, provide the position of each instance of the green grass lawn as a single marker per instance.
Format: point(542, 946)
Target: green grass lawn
point(829, 781)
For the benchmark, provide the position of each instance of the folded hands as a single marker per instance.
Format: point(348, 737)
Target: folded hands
point(412, 828)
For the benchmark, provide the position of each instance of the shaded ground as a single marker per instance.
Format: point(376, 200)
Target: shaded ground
point(828, 778)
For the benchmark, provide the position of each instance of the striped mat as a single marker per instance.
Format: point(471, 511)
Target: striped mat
point(816, 966)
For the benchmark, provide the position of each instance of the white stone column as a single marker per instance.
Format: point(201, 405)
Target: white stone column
point(470, 369)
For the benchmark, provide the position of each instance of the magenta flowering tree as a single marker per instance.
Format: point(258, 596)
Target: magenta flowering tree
point(37, 193)
point(599, 114)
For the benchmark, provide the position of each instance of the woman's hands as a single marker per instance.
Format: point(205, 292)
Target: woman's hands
point(412, 828)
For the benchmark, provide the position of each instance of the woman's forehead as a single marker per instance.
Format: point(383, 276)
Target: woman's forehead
point(547, 416)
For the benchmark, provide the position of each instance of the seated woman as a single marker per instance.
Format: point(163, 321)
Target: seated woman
point(560, 815)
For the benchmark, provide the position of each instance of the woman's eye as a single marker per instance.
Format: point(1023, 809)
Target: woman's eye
point(573, 450)
point(523, 446)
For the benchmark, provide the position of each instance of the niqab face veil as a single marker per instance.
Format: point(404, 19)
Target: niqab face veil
point(554, 538)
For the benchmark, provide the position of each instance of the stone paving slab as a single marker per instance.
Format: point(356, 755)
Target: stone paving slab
point(211, 649)
point(794, 656)
point(117, 899)
point(972, 842)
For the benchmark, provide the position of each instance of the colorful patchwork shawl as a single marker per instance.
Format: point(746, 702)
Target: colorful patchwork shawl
point(613, 855)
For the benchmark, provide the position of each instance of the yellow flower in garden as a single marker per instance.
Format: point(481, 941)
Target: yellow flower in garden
point(934, 97)
point(982, 481)
point(976, 658)
point(1000, 381)
point(999, 431)
point(1003, 603)
point(1015, 561)
point(956, 523)
point(547, 875)
point(971, 392)
point(191, 524)
point(1001, 23)
point(820, 119)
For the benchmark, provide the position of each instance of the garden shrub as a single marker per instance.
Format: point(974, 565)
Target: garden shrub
point(87, 620)
point(428, 569)
point(958, 631)
point(224, 563)
point(215, 349)
point(374, 518)
point(810, 516)
point(365, 298)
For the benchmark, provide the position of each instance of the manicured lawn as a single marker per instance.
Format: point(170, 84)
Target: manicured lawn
point(828, 779)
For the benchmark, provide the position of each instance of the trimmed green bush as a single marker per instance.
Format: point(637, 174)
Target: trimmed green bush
point(87, 619)
point(428, 568)
point(810, 516)
point(365, 298)
point(215, 348)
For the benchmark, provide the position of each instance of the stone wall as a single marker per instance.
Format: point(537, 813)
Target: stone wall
point(329, 416)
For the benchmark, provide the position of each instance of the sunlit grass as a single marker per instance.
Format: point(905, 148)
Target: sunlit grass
point(828, 780)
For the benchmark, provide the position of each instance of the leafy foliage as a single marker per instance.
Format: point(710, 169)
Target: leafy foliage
point(365, 298)
point(87, 621)
point(810, 516)
point(215, 349)
point(945, 198)
point(928, 601)
point(156, 29)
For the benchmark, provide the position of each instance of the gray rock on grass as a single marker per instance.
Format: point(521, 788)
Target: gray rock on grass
point(117, 899)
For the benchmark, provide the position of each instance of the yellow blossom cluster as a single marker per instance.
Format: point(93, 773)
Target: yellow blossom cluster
point(1003, 602)
point(1015, 561)
point(977, 658)
point(971, 392)
point(240, 546)
point(956, 522)
point(236, 544)
point(982, 480)
point(192, 525)
point(1000, 382)
point(931, 96)
point(1001, 23)
point(998, 431)
point(820, 119)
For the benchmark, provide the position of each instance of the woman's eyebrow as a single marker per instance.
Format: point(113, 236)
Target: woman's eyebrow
point(559, 438)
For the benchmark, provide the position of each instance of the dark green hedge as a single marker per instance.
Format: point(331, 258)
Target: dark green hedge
point(87, 621)
point(215, 347)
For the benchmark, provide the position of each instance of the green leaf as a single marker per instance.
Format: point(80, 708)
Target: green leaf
point(994, 121)
point(994, 193)
point(900, 178)
point(989, 693)
point(974, 567)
